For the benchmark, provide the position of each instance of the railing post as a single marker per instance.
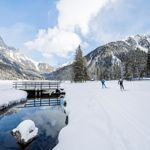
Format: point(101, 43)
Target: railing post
point(57, 100)
point(25, 85)
point(40, 102)
point(57, 85)
point(49, 102)
point(35, 86)
point(41, 86)
point(34, 102)
point(15, 85)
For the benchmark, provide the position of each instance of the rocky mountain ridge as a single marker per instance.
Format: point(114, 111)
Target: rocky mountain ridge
point(20, 66)
point(108, 55)
point(110, 60)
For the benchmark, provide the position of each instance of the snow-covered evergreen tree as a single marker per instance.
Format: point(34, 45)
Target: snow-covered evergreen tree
point(135, 64)
point(79, 67)
point(148, 63)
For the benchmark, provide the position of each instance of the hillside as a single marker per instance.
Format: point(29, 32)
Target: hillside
point(15, 65)
point(125, 58)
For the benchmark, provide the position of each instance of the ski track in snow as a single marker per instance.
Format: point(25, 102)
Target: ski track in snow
point(114, 119)
point(127, 117)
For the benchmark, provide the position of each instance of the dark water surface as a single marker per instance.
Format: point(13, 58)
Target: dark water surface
point(49, 120)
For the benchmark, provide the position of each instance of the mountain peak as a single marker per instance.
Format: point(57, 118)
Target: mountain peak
point(45, 68)
point(139, 41)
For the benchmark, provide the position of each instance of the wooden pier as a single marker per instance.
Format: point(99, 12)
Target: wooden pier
point(40, 89)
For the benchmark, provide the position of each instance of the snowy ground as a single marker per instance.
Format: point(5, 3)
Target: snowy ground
point(9, 96)
point(107, 119)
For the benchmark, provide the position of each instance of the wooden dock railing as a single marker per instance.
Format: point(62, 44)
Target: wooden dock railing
point(36, 85)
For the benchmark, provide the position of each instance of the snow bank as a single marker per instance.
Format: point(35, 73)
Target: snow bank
point(25, 131)
point(10, 96)
point(107, 119)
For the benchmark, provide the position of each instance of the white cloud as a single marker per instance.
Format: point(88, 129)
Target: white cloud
point(74, 18)
point(76, 14)
point(17, 34)
point(55, 41)
point(117, 21)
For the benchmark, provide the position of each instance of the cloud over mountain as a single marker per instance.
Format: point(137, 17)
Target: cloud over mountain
point(73, 24)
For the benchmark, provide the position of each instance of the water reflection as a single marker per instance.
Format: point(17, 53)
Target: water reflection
point(49, 120)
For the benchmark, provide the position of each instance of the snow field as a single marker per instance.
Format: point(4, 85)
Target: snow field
point(107, 119)
point(10, 96)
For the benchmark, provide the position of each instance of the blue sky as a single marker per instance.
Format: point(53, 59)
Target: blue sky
point(34, 13)
point(50, 30)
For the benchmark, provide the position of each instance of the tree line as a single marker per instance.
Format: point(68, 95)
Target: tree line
point(133, 64)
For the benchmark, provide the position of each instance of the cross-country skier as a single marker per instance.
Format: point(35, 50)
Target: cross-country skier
point(120, 82)
point(103, 83)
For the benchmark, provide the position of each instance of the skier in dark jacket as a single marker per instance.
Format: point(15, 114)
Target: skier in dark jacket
point(120, 82)
point(103, 83)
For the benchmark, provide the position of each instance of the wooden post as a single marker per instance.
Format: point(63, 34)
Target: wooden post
point(57, 100)
point(15, 85)
point(49, 102)
point(25, 86)
point(35, 93)
point(41, 86)
point(57, 85)
point(39, 93)
point(34, 102)
point(35, 86)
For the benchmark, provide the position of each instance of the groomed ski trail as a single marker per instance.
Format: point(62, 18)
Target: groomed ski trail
point(106, 119)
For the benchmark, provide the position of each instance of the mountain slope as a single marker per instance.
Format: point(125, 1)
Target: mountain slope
point(45, 68)
point(63, 73)
point(115, 59)
point(103, 60)
point(20, 65)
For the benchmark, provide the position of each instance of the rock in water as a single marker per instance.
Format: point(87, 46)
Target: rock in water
point(25, 132)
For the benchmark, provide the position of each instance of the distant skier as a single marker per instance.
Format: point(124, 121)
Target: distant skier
point(103, 83)
point(120, 82)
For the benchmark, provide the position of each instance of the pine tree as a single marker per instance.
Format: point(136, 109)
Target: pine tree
point(79, 67)
point(116, 73)
point(148, 63)
point(85, 71)
point(135, 65)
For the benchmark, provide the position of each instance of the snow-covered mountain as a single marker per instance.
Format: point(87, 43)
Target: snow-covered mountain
point(103, 62)
point(109, 58)
point(45, 68)
point(64, 65)
point(62, 73)
point(139, 41)
point(126, 45)
point(20, 65)
point(104, 57)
